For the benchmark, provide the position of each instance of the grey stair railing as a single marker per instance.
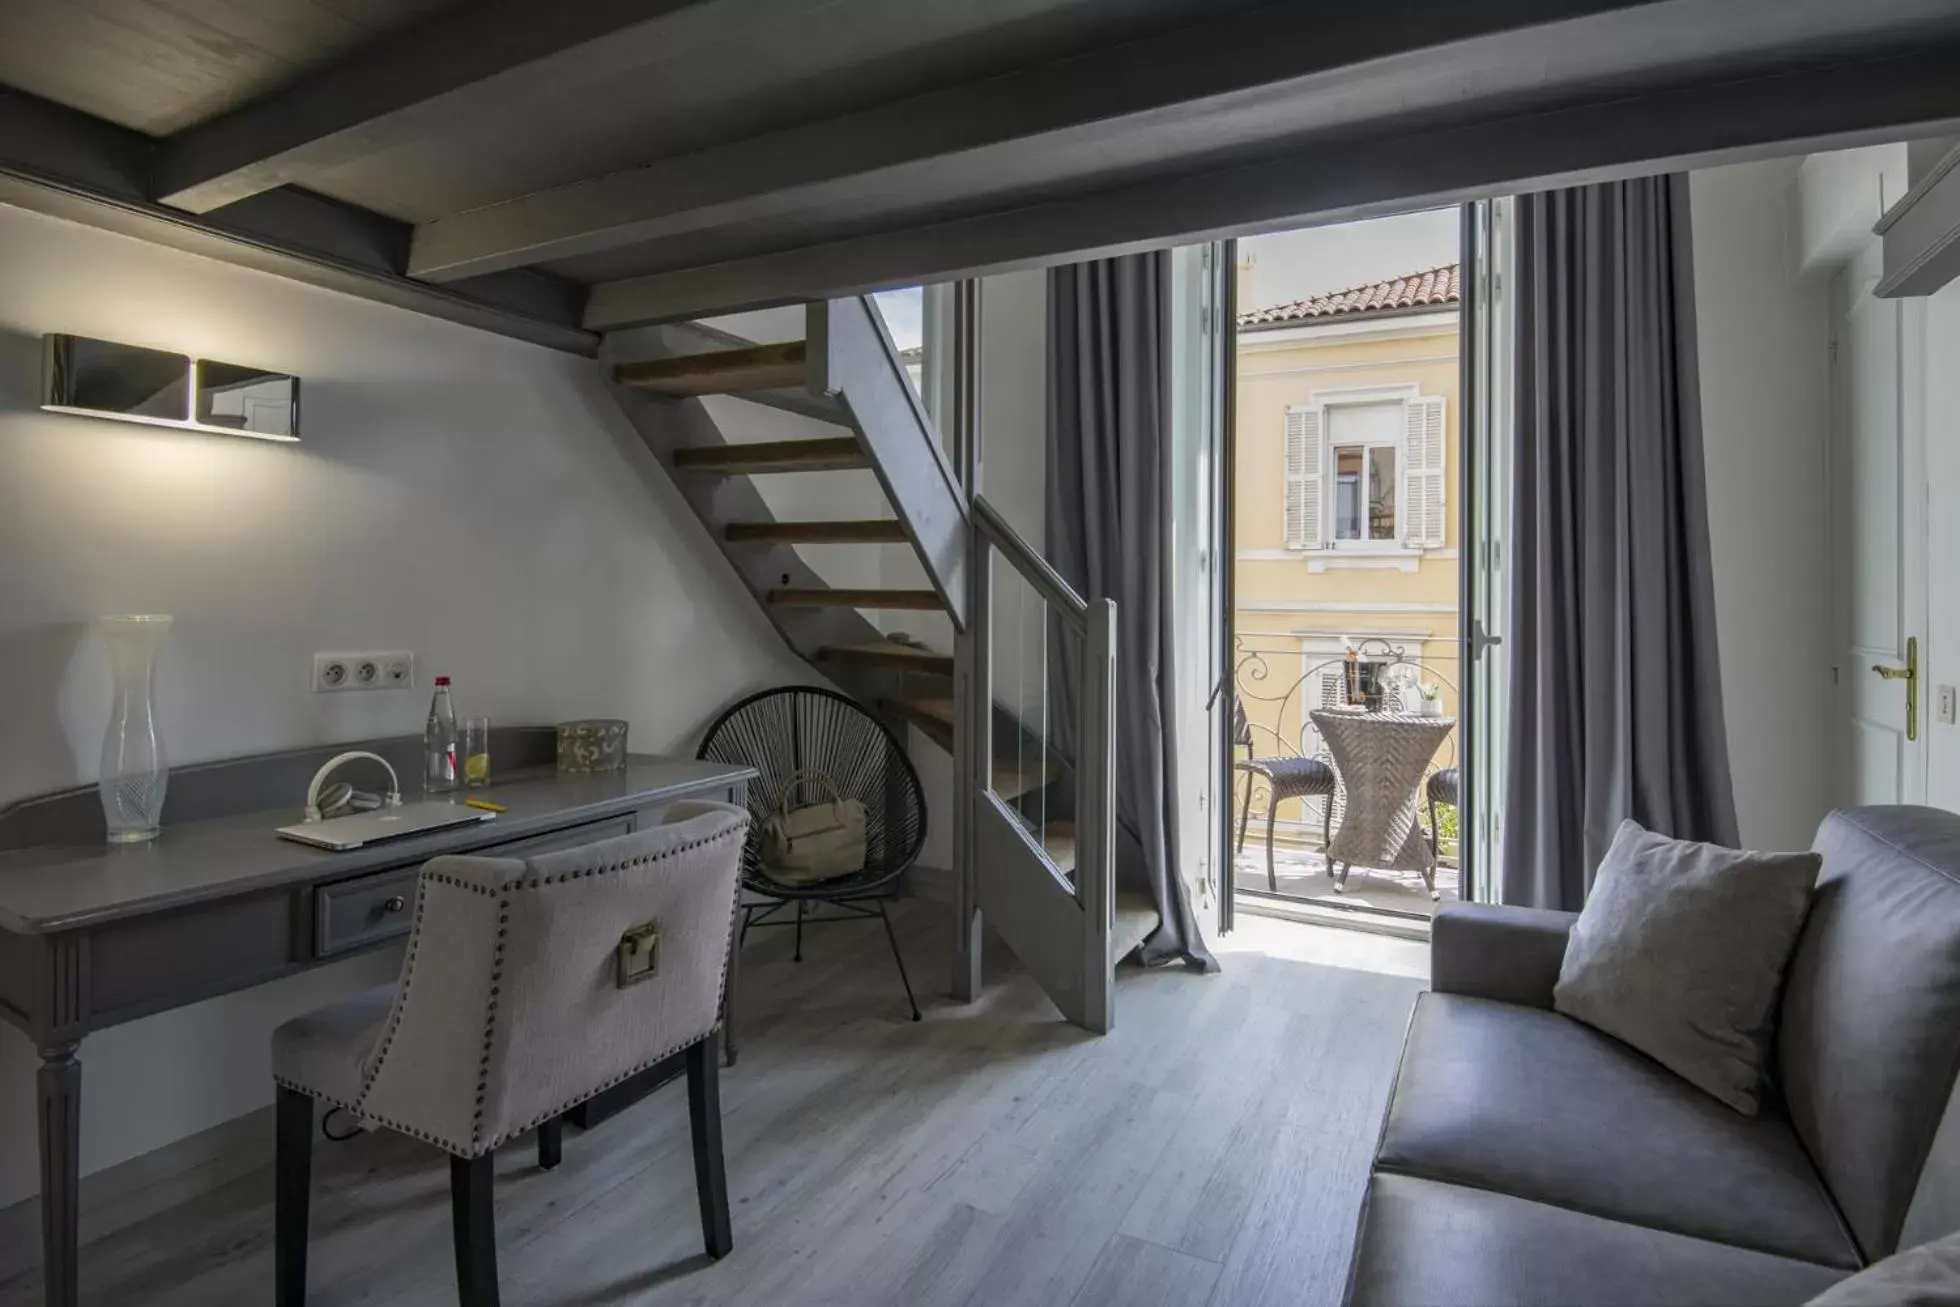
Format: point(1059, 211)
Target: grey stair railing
point(852, 360)
point(1045, 883)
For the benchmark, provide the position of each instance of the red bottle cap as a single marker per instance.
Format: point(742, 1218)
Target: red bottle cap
point(442, 680)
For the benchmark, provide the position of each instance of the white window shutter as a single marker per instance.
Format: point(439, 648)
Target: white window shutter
point(1323, 689)
point(1303, 480)
point(1425, 460)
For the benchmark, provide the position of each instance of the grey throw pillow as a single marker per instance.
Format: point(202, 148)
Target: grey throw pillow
point(1680, 950)
point(1926, 1276)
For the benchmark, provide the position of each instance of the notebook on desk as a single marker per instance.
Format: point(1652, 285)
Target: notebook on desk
point(362, 828)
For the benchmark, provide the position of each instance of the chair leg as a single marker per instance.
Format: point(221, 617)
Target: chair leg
point(292, 1193)
point(1245, 814)
point(471, 1181)
point(899, 958)
point(1434, 846)
point(551, 1143)
point(798, 956)
point(704, 1121)
point(1327, 824)
point(1272, 815)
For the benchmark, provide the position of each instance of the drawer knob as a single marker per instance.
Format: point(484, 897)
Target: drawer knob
point(396, 903)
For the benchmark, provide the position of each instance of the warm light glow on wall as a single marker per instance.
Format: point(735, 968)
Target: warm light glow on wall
point(127, 383)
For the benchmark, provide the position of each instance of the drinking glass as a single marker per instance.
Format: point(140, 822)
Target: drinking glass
point(476, 752)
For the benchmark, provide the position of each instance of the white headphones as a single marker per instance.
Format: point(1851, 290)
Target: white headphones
point(349, 798)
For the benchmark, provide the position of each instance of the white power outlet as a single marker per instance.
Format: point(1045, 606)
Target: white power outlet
point(388, 670)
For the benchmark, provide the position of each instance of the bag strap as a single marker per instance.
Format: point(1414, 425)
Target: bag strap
point(810, 776)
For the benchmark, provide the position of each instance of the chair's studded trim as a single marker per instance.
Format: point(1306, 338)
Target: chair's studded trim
point(477, 1145)
point(490, 1024)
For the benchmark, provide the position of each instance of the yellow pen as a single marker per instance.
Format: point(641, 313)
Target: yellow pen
point(485, 804)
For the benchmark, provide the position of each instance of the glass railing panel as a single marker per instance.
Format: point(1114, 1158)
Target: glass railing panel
point(1022, 759)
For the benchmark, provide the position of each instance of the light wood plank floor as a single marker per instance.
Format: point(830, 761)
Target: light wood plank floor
point(1210, 1151)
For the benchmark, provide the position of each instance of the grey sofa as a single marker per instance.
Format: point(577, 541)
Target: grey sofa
point(1528, 1159)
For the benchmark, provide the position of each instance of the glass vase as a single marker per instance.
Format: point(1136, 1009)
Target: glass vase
point(134, 773)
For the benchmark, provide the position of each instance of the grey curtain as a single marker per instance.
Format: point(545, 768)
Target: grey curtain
point(1108, 528)
point(1615, 696)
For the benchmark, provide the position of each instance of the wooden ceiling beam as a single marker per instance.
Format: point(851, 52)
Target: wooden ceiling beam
point(1397, 168)
point(442, 69)
point(65, 163)
point(1229, 83)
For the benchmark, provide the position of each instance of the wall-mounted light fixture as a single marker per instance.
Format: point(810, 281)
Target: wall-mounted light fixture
point(126, 383)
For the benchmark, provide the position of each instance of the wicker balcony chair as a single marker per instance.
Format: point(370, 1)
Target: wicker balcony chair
point(1286, 778)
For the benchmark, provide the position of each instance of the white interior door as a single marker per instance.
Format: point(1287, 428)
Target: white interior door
point(1879, 538)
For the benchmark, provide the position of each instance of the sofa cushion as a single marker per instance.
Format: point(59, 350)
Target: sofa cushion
point(1530, 1103)
point(1680, 952)
point(1869, 1039)
point(1926, 1276)
point(1425, 1243)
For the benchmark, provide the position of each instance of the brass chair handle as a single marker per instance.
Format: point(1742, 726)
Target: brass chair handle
point(396, 903)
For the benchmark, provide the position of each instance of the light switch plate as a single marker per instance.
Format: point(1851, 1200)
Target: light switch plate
point(1945, 705)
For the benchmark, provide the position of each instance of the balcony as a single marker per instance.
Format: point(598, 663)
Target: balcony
point(1378, 785)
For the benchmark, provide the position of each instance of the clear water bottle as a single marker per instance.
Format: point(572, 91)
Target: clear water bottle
point(439, 743)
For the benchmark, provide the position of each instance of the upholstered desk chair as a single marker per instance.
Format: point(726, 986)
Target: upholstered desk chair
point(528, 988)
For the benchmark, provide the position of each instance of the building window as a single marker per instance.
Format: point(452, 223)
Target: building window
point(1366, 474)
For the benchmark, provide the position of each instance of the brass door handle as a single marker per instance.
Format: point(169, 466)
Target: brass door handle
point(1910, 675)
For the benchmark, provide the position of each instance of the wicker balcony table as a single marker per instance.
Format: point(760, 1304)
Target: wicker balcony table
point(1381, 759)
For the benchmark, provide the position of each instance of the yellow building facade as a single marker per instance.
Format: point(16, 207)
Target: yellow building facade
point(1345, 517)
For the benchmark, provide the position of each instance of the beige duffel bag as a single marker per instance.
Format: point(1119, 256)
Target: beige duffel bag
point(816, 841)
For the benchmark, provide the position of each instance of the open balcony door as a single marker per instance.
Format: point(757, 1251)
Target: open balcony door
point(1200, 383)
point(1488, 344)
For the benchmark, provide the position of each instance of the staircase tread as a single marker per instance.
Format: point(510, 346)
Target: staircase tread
point(820, 597)
point(890, 653)
point(719, 372)
point(932, 708)
point(1011, 779)
point(1058, 842)
point(826, 454)
point(872, 530)
point(1136, 917)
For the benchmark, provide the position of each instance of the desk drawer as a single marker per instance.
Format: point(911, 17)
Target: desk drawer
point(356, 913)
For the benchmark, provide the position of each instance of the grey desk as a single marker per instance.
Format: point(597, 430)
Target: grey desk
point(92, 936)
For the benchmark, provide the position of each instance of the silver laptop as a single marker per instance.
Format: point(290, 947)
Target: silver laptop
point(357, 829)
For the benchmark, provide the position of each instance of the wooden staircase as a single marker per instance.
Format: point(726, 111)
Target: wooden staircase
point(846, 372)
point(833, 371)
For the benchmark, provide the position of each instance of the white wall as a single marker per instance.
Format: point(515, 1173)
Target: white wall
point(1763, 341)
point(476, 499)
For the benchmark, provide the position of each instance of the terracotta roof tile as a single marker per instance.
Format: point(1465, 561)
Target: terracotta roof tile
point(1432, 286)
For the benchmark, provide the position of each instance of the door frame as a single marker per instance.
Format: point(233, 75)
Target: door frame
point(1225, 296)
